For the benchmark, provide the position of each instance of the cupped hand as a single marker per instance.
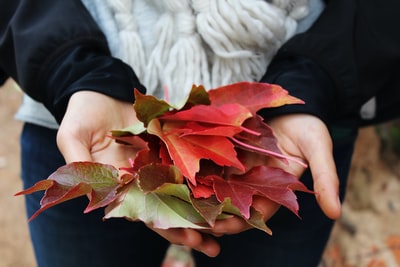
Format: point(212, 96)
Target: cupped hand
point(203, 242)
point(82, 136)
point(84, 131)
point(307, 138)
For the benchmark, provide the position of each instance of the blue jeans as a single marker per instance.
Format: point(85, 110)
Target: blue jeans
point(64, 236)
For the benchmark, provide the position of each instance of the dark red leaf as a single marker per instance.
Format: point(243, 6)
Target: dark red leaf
point(264, 143)
point(272, 183)
point(98, 181)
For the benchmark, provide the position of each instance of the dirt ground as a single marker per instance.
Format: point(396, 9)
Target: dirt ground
point(368, 234)
point(15, 246)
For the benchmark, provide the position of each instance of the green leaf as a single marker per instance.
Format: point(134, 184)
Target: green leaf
point(148, 107)
point(166, 207)
point(134, 129)
point(198, 96)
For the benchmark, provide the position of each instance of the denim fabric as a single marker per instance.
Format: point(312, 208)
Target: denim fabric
point(63, 236)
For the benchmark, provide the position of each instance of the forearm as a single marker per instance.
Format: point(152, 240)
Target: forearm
point(351, 45)
point(305, 80)
point(84, 69)
point(3, 77)
point(54, 48)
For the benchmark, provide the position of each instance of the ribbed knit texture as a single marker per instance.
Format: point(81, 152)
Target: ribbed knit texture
point(173, 44)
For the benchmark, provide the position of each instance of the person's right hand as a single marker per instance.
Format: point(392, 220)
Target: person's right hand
point(82, 136)
point(84, 130)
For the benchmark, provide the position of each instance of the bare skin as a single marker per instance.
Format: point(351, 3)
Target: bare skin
point(90, 116)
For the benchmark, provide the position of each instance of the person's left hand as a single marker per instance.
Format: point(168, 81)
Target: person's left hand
point(307, 138)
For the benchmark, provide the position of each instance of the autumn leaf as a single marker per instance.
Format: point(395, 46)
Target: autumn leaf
point(187, 151)
point(132, 131)
point(197, 96)
point(211, 209)
point(255, 220)
point(201, 189)
point(264, 142)
point(153, 176)
point(194, 164)
point(198, 128)
point(148, 107)
point(229, 114)
point(98, 181)
point(272, 183)
point(254, 96)
point(168, 206)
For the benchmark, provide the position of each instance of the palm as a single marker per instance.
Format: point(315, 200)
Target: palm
point(83, 134)
point(308, 138)
point(304, 137)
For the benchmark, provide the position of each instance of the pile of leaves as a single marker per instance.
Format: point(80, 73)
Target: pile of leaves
point(197, 163)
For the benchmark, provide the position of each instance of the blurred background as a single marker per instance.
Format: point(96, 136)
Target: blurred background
point(368, 234)
point(15, 246)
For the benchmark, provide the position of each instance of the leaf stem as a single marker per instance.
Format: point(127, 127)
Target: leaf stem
point(247, 130)
point(269, 152)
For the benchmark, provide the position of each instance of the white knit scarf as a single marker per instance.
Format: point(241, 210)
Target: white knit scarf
point(174, 44)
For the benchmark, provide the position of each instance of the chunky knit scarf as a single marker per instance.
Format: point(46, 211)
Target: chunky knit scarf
point(174, 44)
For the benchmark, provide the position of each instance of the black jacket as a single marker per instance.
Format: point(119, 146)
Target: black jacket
point(349, 55)
point(53, 48)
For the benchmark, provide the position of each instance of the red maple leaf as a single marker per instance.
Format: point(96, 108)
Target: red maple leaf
point(187, 151)
point(98, 181)
point(272, 183)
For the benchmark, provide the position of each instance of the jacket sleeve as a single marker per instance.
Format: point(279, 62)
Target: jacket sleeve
point(3, 77)
point(348, 56)
point(53, 48)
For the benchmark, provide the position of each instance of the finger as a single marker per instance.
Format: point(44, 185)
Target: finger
point(231, 225)
point(237, 224)
point(71, 148)
point(191, 238)
point(265, 206)
point(323, 170)
point(208, 246)
point(326, 184)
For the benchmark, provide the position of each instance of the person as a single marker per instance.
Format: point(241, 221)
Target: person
point(81, 61)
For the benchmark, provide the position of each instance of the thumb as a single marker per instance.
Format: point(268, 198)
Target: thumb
point(72, 149)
